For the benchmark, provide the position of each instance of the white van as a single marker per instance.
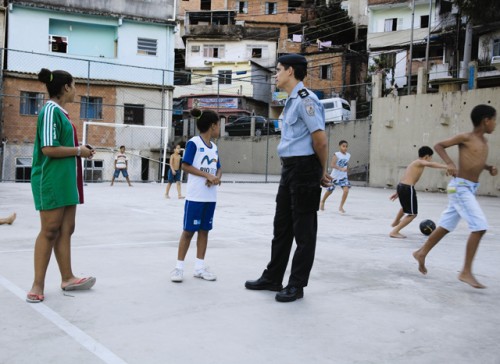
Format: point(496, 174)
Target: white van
point(336, 110)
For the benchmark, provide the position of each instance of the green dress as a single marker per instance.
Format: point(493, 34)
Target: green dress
point(55, 182)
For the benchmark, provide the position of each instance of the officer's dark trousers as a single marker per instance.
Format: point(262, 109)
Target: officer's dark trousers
point(296, 217)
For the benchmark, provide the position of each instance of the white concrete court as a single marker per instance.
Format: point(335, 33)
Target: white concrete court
point(366, 301)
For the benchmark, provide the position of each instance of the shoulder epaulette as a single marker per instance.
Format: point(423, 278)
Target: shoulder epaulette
point(303, 93)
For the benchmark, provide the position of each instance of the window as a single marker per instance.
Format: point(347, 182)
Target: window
point(58, 44)
point(205, 5)
point(89, 38)
point(213, 51)
point(271, 8)
point(496, 47)
point(23, 169)
point(208, 81)
point(133, 114)
point(91, 108)
point(424, 21)
point(147, 46)
point(390, 25)
point(325, 72)
point(93, 170)
point(195, 48)
point(225, 77)
point(243, 7)
point(256, 52)
point(31, 103)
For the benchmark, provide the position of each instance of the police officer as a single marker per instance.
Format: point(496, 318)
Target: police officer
point(303, 152)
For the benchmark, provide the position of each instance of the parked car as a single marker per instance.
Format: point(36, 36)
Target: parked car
point(241, 126)
point(336, 110)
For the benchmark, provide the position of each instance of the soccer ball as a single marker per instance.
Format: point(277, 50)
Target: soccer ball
point(427, 227)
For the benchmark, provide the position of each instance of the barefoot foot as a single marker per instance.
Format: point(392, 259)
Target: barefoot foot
point(470, 279)
point(341, 210)
point(397, 236)
point(9, 220)
point(322, 206)
point(421, 261)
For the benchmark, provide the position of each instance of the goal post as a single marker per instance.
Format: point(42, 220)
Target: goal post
point(145, 147)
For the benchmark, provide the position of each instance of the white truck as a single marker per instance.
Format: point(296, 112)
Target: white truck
point(337, 110)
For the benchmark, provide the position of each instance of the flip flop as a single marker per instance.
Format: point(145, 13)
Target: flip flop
point(80, 284)
point(34, 298)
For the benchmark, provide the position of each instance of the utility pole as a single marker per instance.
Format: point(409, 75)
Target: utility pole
point(428, 39)
point(411, 45)
point(467, 53)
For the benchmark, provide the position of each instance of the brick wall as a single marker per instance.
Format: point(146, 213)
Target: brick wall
point(22, 128)
point(328, 86)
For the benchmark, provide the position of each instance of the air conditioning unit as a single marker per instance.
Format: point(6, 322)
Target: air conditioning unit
point(207, 62)
point(240, 22)
point(195, 48)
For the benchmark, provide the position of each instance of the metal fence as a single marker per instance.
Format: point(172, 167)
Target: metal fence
point(255, 159)
point(120, 94)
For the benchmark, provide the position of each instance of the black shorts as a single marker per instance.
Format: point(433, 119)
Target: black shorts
point(408, 199)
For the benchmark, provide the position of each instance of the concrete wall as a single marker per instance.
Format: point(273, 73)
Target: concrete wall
point(357, 134)
point(401, 125)
point(2, 27)
point(402, 12)
point(248, 155)
point(126, 47)
point(234, 51)
point(158, 9)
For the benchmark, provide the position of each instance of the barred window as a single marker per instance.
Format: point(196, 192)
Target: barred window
point(325, 72)
point(133, 114)
point(23, 169)
point(147, 46)
point(31, 103)
point(271, 8)
point(243, 7)
point(91, 108)
point(94, 170)
point(496, 47)
point(225, 77)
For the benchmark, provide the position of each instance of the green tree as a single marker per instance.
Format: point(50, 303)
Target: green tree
point(331, 23)
point(480, 11)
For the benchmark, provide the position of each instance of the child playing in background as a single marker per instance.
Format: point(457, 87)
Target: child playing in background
point(339, 165)
point(472, 156)
point(406, 190)
point(121, 165)
point(174, 172)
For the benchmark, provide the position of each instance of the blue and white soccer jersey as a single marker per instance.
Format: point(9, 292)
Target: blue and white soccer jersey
point(200, 199)
point(340, 177)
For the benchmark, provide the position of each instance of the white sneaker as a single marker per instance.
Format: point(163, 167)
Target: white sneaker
point(204, 274)
point(176, 275)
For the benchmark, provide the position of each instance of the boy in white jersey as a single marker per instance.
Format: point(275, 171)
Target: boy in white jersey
point(339, 165)
point(201, 161)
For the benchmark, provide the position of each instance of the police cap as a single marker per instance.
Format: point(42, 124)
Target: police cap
point(292, 59)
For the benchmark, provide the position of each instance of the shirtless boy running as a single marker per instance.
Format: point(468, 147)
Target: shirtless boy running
point(472, 156)
point(406, 190)
point(174, 172)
